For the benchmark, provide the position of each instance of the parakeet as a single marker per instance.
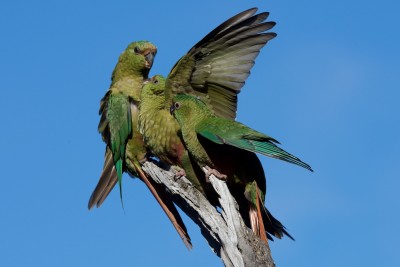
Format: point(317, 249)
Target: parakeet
point(119, 128)
point(227, 148)
point(214, 69)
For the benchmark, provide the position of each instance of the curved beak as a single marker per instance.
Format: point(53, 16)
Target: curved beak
point(150, 58)
point(172, 109)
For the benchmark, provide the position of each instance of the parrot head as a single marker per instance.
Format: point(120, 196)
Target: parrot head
point(143, 51)
point(137, 59)
point(154, 86)
point(187, 108)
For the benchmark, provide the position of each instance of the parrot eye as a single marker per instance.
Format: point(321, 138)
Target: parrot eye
point(177, 105)
point(137, 50)
point(155, 81)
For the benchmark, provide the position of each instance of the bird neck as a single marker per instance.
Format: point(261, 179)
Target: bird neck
point(130, 86)
point(129, 67)
point(151, 104)
point(151, 108)
point(194, 146)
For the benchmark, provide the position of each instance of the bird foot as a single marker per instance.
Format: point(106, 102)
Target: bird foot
point(178, 172)
point(142, 161)
point(216, 173)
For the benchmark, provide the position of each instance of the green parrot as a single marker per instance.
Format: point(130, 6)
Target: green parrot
point(214, 69)
point(161, 133)
point(227, 149)
point(119, 128)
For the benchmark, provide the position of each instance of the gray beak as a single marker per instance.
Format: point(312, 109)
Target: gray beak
point(172, 109)
point(150, 58)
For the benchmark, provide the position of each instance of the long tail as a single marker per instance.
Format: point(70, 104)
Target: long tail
point(263, 224)
point(274, 227)
point(268, 148)
point(107, 181)
point(109, 178)
point(256, 218)
point(257, 142)
point(167, 205)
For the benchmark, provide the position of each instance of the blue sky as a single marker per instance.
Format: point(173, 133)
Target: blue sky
point(327, 88)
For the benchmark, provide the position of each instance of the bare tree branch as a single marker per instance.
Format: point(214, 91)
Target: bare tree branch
point(225, 232)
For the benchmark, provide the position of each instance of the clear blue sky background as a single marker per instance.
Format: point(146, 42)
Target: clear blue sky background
point(327, 87)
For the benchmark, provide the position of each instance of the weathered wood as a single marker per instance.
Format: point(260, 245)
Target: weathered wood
point(225, 232)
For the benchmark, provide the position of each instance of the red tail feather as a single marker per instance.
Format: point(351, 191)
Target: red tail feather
point(261, 229)
point(172, 215)
point(256, 218)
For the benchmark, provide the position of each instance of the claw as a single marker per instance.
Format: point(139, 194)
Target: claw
point(142, 161)
point(216, 173)
point(179, 172)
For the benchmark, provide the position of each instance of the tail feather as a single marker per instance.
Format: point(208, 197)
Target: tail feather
point(118, 167)
point(168, 206)
point(108, 189)
point(274, 226)
point(107, 181)
point(109, 178)
point(256, 211)
point(268, 148)
point(266, 145)
point(263, 224)
point(260, 228)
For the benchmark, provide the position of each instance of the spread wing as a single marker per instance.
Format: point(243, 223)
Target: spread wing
point(215, 69)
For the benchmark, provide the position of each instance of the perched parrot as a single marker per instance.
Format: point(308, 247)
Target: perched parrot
point(161, 133)
point(119, 128)
point(215, 69)
point(227, 149)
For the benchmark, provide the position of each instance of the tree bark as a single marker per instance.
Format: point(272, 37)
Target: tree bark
point(224, 231)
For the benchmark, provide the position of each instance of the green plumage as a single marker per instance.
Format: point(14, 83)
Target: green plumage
point(119, 128)
point(196, 119)
point(215, 70)
point(222, 131)
point(229, 147)
point(118, 123)
point(161, 131)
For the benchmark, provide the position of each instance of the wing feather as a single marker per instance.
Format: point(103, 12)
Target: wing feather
point(222, 131)
point(216, 68)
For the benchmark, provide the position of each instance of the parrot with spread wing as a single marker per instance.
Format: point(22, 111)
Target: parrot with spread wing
point(215, 69)
point(227, 149)
point(119, 128)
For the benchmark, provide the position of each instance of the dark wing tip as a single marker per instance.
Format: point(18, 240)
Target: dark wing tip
point(91, 203)
point(225, 25)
